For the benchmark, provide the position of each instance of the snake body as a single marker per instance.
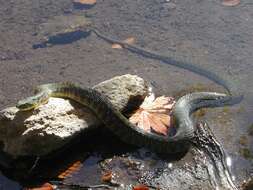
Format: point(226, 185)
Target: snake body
point(105, 111)
point(120, 125)
point(187, 104)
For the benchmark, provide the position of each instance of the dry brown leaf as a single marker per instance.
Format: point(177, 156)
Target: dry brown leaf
point(144, 122)
point(130, 40)
point(163, 118)
point(230, 2)
point(154, 114)
point(135, 117)
point(161, 104)
point(85, 2)
point(157, 125)
point(140, 187)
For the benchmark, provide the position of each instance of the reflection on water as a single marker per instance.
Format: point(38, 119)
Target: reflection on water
point(229, 164)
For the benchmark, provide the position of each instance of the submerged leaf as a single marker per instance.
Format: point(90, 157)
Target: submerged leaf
point(85, 2)
point(154, 114)
point(116, 46)
point(130, 40)
point(107, 177)
point(230, 2)
point(70, 170)
point(140, 187)
point(45, 186)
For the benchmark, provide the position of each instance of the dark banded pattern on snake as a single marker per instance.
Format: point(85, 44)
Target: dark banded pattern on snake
point(120, 125)
point(189, 103)
point(111, 117)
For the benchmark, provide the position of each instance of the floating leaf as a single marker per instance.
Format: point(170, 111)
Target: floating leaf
point(130, 40)
point(140, 187)
point(85, 2)
point(70, 170)
point(230, 2)
point(154, 114)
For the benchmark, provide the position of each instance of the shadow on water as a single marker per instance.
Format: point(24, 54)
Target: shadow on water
point(62, 39)
point(90, 149)
point(81, 6)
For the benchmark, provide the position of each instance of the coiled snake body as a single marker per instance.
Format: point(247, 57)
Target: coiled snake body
point(120, 125)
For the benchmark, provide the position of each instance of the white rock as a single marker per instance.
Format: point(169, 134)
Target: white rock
point(51, 126)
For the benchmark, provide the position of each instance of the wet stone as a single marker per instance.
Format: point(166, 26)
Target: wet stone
point(192, 171)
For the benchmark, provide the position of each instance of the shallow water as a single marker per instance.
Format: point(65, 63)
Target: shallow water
point(203, 32)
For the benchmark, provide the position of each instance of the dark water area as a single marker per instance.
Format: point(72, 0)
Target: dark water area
point(96, 146)
point(207, 33)
point(62, 39)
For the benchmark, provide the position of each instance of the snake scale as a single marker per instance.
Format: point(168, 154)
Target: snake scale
point(120, 125)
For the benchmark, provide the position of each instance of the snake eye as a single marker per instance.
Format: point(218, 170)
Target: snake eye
point(25, 105)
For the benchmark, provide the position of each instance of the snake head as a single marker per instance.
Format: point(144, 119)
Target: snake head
point(26, 104)
point(32, 102)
